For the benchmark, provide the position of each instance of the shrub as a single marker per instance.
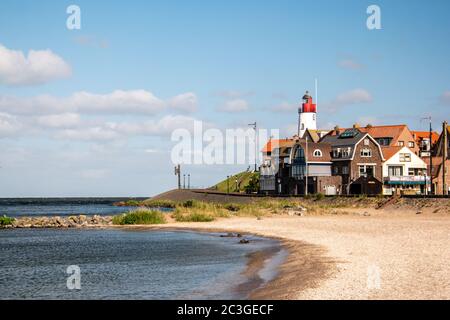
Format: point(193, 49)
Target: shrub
point(159, 203)
point(193, 217)
point(319, 196)
point(5, 221)
point(140, 216)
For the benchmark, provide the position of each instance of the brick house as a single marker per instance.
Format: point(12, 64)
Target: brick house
point(311, 168)
point(386, 136)
point(357, 157)
point(439, 165)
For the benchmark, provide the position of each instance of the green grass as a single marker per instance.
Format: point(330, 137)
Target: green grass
point(193, 217)
point(140, 216)
point(5, 221)
point(243, 179)
point(159, 203)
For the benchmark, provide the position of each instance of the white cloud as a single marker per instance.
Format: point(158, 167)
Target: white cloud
point(236, 105)
point(116, 102)
point(110, 131)
point(355, 96)
point(65, 120)
point(350, 64)
point(88, 134)
point(38, 67)
point(186, 102)
point(8, 125)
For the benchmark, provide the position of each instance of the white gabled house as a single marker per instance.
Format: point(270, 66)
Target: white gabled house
point(403, 172)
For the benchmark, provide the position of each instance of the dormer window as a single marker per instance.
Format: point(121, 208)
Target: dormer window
point(317, 153)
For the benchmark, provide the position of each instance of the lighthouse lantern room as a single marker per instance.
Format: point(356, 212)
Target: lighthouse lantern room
point(306, 115)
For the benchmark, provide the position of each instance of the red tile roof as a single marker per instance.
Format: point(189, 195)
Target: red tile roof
point(276, 143)
point(419, 135)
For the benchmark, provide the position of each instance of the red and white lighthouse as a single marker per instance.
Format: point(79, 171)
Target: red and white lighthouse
point(306, 115)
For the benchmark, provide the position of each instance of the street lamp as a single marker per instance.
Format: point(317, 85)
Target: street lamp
point(256, 142)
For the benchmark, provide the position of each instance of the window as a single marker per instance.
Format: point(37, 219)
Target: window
point(346, 152)
point(366, 170)
point(345, 170)
point(366, 142)
point(416, 172)
point(336, 170)
point(395, 171)
point(366, 152)
point(337, 153)
point(401, 143)
point(298, 171)
point(317, 153)
point(411, 144)
point(303, 126)
point(405, 157)
point(384, 141)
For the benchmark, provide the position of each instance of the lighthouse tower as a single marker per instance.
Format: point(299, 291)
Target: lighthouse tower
point(306, 115)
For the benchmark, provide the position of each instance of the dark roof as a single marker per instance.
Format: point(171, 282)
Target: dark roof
point(312, 146)
point(338, 140)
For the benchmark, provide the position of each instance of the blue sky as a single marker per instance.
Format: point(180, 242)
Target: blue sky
point(200, 59)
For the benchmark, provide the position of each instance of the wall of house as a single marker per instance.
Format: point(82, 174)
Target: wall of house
point(375, 159)
point(323, 182)
point(407, 137)
point(438, 181)
point(415, 162)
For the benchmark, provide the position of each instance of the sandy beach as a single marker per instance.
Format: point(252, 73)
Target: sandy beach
point(386, 255)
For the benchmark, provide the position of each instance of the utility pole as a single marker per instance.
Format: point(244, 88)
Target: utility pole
point(444, 156)
point(184, 181)
point(228, 184)
point(256, 143)
point(189, 181)
point(306, 166)
point(431, 159)
point(430, 155)
point(178, 173)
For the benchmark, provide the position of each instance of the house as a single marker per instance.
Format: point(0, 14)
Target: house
point(422, 139)
point(386, 136)
point(440, 166)
point(276, 166)
point(311, 169)
point(358, 159)
point(404, 172)
point(315, 135)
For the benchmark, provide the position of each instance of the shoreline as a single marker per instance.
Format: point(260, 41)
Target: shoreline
point(304, 266)
point(335, 256)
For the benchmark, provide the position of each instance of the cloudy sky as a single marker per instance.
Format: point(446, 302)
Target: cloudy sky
point(90, 112)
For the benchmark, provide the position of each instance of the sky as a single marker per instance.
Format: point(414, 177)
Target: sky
point(91, 111)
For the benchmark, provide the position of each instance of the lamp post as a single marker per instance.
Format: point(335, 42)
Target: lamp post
point(184, 181)
point(256, 142)
point(228, 184)
point(189, 181)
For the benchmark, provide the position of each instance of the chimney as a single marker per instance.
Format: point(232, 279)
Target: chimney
point(336, 129)
point(369, 126)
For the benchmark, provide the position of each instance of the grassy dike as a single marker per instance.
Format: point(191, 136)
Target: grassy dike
point(201, 211)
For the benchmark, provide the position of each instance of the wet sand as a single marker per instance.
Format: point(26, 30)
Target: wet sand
point(382, 256)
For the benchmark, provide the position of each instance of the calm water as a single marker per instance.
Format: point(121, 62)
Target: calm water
point(61, 206)
point(117, 264)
